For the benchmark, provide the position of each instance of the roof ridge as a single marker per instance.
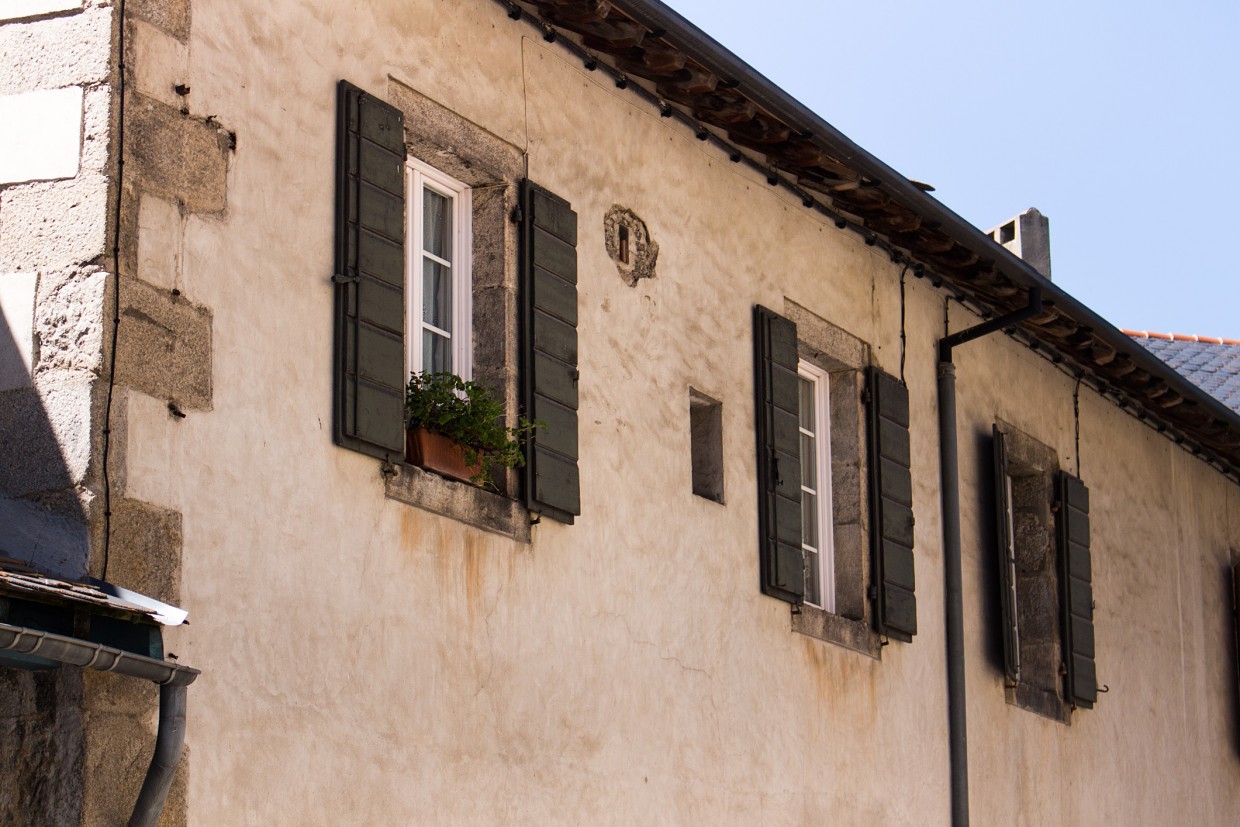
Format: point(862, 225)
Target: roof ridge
point(1179, 337)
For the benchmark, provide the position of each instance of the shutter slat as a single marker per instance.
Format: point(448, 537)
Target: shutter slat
point(776, 407)
point(557, 380)
point(1006, 561)
point(549, 352)
point(560, 433)
point(891, 499)
point(1076, 592)
point(369, 370)
point(555, 296)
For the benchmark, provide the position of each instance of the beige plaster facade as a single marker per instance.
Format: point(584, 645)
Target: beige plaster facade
point(369, 658)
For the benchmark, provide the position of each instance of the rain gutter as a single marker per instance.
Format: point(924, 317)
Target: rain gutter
point(173, 680)
point(707, 51)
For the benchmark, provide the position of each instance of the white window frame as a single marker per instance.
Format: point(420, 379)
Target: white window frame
point(821, 486)
point(420, 176)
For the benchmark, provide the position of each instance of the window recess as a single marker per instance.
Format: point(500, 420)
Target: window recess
point(1042, 558)
point(706, 445)
point(821, 492)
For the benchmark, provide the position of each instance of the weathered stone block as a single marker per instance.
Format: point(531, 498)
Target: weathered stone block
point(164, 345)
point(70, 321)
point(159, 242)
point(846, 492)
point(45, 435)
point(50, 533)
point(40, 135)
point(1035, 551)
point(53, 225)
point(173, 16)
point(145, 553)
point(492, 236)
point(160, 63)
point(50, 54)
point(1040, 665)
point(41, 747)
point(175, 156)
point(19, 9)
point(16, 329)
point(96, 121)
point(1037, 608)
point(462, 149)
point(118, 749)
point(495, 322)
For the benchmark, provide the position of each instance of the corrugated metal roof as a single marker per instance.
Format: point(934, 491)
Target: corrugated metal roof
point(1211, 364)
point(21, 580)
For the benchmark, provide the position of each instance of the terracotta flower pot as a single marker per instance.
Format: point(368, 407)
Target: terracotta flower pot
point(436, 452)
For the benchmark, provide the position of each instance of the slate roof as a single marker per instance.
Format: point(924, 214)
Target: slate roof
point(1209, 363)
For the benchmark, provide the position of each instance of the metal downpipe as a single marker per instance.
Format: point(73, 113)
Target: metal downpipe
point(953, 590)
point(169, 743)
point(953, 595)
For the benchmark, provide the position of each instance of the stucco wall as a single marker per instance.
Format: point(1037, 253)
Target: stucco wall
point(369, 662)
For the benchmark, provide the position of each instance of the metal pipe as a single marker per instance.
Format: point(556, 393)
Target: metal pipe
point(953, 594)
point(169, 743)
point(953, 589)
point(84, 653)
point(173, 679)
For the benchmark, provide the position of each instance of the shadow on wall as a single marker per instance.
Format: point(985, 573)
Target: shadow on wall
point(41, 518)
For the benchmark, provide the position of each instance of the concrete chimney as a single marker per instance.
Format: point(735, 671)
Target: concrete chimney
point(1028, 235)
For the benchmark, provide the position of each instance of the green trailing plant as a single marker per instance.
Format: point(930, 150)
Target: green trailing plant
point(467, 413)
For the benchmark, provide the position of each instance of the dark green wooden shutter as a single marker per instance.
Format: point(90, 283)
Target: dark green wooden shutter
point(1076, 592)
point(891, 508)
point(777, 403)
point(370, 275)
point(549, 351)
point(1006, 561)
point(1235, 614)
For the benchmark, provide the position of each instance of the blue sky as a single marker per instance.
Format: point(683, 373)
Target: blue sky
point(1117, 120)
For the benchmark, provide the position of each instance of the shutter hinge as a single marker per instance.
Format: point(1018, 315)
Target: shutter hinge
point(872, 592)
point(518, 215)
point(341, 278)
point(866, 396)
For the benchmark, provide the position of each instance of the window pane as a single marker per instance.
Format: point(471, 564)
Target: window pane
point(813, 578)
point(437, 224)
point(436, 294)
point(809, 519)
point(809, 468)
point(436, 355)
point(807, 404)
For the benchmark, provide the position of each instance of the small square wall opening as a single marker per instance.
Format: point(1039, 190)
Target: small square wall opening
point(706, 445)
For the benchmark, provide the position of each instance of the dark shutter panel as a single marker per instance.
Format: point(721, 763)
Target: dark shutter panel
point(370, 275)
point(891, 508)
point(549, 351)
point(1006, 554)
point(1235, 614)
point(1076, 594)
point(777, 405)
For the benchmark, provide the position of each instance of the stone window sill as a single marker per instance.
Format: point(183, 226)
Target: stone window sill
point(461, 501)
point(842, 631)
point(1039, 701)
